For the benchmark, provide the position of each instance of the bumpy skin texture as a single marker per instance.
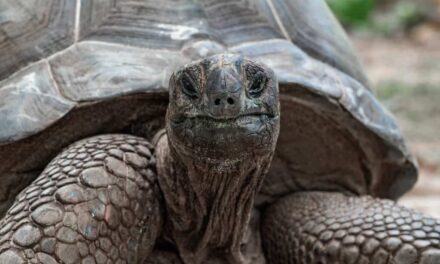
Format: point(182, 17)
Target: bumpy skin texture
point(320, 227)
point(222, 125)
point(96, 202)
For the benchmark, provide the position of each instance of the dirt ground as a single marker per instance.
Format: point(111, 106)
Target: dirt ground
point(406, 77)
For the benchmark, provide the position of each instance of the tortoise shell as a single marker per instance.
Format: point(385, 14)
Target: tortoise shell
point(71, 69)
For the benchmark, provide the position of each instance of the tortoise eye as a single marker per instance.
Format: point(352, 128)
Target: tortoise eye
point(257, 86)
point(188, 87)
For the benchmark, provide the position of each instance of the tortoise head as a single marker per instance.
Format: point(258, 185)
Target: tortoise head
point(223, 108)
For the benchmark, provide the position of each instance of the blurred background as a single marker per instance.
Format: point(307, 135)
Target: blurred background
point(398, 42)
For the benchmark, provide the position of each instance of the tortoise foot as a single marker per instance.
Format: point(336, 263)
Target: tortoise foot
point(320, 227)
point(96, 202)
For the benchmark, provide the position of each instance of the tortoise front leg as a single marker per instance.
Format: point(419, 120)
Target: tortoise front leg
point(321, 227)
point(96, 202)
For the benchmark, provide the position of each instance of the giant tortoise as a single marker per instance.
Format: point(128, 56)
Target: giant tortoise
point(184, 131)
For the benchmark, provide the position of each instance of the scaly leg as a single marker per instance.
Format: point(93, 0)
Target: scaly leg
point(96, 202)
point(321, 227)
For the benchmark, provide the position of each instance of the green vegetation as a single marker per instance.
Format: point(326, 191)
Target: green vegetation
point(352, 12)
point(390, 90)
point(409, 13)
point(401, 16)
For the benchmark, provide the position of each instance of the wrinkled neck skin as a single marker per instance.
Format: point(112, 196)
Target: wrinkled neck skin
point(208, 202)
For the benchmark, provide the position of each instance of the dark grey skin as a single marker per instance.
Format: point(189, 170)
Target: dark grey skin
point(190, 196)
point(222, 128)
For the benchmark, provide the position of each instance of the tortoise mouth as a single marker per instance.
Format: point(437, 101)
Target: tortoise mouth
point(219, 137)
point(242, 118)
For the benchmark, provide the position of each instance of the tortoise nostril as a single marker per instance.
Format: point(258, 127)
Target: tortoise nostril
point(220, 101)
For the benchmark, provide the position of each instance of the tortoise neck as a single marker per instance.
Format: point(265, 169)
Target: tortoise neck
point(208, 205)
